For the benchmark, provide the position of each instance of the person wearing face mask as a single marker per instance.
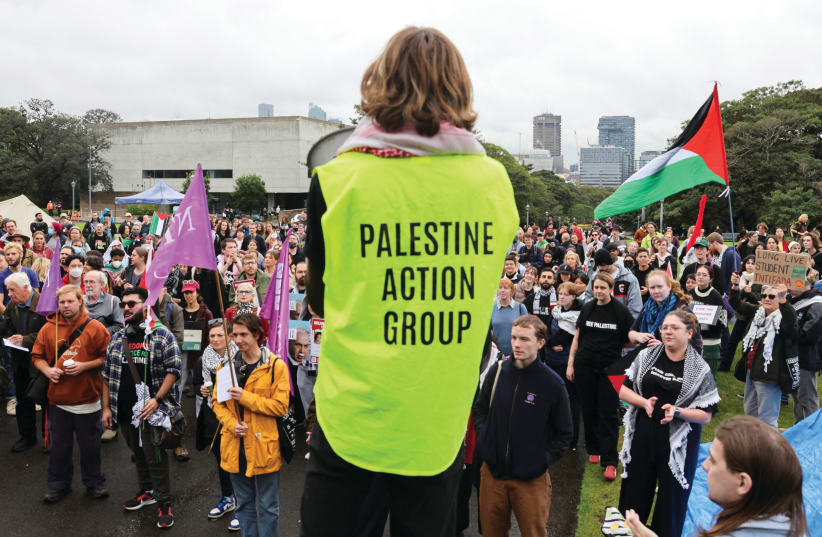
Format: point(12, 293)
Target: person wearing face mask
point(671, 394)
point(705, 294)
point(294, 250)
point(75, 264)
point(116, 264)
point(769, 353)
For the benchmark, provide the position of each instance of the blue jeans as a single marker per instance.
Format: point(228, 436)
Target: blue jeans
point(762, 400)
point(258, 504)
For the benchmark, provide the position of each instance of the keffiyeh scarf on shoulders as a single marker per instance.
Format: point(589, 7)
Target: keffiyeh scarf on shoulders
point(450, 140)
point(567, 320)
point(766, 326)
point(698, 391)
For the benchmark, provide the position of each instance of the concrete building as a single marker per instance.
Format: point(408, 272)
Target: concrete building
point(273, 148)
point(548, 133)
point(541, 159)
point(647, 156)
point(619, 131)
point(265, 110)
point(315, 112)
point(603, 166)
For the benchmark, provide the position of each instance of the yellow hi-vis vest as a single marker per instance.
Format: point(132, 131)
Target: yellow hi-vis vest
point(414, 249)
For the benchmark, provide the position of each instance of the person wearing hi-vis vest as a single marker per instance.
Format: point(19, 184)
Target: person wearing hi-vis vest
point(407, 303)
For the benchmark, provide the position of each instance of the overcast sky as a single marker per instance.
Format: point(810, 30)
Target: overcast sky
point(159, 60)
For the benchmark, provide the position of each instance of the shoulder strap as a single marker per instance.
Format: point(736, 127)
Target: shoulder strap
point(74, 335)
point(496, 379)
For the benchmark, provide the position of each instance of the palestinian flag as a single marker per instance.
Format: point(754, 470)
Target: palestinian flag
point(696, 157)
point(158, 224)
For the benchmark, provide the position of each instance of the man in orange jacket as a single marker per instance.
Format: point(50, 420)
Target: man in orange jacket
point(74, 392)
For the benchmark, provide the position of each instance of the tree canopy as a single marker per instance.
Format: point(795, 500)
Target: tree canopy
point(42, 150)
point(249, 192)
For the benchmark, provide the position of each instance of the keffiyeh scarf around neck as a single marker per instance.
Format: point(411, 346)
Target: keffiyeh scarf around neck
point(450, 140)
point(698, 391)
point(567, 320)
point(766, 326)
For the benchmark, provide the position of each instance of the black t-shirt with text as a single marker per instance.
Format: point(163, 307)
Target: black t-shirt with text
point(603, 330)
point(127, 397)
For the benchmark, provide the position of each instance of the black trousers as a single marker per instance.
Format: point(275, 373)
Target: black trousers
point(63, 426)
point(729, 350)
point(573, 398)
point(226, 489)
point(26, 412)
point(648, 467)
point(599, 410)
point(339, 498)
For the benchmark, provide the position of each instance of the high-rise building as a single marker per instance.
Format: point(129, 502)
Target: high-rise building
point(548, 133)
point(315, 112)
point(647, 156)
point(619, 131)
point(603, 166)
point(265, 110)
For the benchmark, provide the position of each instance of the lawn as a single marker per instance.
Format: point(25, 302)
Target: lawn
point(597, 493)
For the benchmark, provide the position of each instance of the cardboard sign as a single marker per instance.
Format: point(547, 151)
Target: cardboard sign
point(706, 314)
point(192, 336)
point(774, 268)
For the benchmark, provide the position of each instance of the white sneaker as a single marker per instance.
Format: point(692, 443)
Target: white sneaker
point(307, 455)
point(108, 435)
point(11, 407)
point(38, 408)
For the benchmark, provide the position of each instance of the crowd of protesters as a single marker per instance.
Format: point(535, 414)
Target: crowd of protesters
point(582, 318)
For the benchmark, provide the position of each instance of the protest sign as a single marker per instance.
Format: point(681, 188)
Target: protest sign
point(774, 268)
point(706, 314)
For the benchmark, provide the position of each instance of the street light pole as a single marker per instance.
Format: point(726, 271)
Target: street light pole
point(73, 184)
point(527, 209)
point(89, 186)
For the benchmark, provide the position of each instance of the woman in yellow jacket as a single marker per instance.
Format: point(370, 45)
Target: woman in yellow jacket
point(249, 443)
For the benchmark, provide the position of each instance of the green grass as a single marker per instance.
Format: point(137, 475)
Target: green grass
point(597, 493)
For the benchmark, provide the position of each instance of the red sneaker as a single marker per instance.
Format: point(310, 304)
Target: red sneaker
point(593, 459)
point(610, 473)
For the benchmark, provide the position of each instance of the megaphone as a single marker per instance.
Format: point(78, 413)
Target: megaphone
point(325, 148)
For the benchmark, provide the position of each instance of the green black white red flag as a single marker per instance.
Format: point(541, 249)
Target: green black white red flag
point(696, 157)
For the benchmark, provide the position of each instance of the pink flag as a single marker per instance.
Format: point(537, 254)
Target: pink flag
point(48, 293)
point(188, 240)
point(275, 307)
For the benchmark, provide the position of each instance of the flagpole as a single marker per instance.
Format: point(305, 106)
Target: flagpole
point(731, 210)
point(227, 342)
point(661, 209)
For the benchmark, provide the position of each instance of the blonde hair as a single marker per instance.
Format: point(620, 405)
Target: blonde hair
point(569, 288)
point(13, 246)
point(420, 79)
point(573, 256)
point(68, 288)
point(40, 266)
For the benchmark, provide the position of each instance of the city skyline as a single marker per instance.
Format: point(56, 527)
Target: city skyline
point(595, 60)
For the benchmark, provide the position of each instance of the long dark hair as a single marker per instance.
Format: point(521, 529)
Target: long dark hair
point(759, 450)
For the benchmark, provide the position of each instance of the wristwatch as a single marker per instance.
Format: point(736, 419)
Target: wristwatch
point(676, 411)
point(160, 400)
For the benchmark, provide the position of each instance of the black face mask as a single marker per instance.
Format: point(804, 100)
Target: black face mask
point(134, 234)
point(628, 263)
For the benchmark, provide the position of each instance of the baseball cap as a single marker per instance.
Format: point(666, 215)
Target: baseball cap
point(128, 214)
point(701, 242)
point(566, 268)
point(602, 258)
point(190, 285)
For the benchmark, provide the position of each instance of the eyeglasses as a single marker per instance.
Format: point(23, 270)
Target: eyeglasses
point(770, 297)
point(130, 303)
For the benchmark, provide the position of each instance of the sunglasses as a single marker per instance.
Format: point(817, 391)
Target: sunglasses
point(771, 297)
point(130, 303)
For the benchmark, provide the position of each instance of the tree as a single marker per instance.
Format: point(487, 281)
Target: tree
point(249, 192)
point(43, 150)
point(358, 115)
point(187, 182)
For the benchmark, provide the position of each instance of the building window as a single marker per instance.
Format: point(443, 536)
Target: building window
point(181, 174)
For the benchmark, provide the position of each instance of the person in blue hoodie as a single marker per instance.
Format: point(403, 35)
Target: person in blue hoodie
point(523, 422)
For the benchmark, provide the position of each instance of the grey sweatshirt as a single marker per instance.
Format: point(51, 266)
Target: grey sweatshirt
point(106, 310)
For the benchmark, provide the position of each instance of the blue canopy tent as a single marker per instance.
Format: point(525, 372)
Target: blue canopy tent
point(159, 194)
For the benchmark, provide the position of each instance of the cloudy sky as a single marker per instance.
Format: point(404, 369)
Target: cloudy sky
point(656, 61)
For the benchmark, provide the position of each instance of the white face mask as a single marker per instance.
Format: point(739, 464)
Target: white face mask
point(76, 272)
point(116, 264)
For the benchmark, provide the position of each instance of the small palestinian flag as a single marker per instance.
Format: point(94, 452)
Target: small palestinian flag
point(696, 157)
point(158, 224)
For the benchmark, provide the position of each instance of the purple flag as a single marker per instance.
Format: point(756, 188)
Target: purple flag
point(188, 240)
point(48, 293)
point(275, 307)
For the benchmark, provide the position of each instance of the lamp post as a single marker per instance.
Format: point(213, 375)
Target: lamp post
point(89, 187)
point(73, 184)
point(527, 208)
point(546, 218)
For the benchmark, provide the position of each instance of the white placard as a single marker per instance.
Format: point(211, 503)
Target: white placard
point(706, 314)
point(11, 345)
point(224, 381)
